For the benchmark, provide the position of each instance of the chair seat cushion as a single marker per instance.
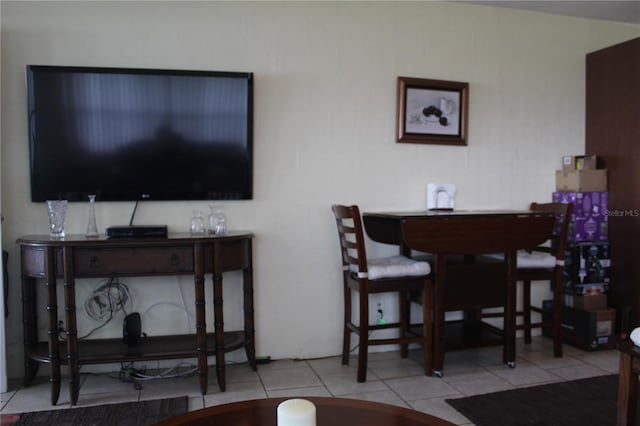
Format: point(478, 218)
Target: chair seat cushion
point(535, 259)
point(395, 266)
point(531, 260)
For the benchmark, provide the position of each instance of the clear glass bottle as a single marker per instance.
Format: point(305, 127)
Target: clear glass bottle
point(221, 224)
point(197, 223)
point(217, 221)
point(212, 218)
point(92, 228)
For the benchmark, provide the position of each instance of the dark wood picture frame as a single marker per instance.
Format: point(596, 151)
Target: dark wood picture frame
point(432, 111)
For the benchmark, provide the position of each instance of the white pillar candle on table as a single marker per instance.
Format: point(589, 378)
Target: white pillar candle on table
point(296, 412)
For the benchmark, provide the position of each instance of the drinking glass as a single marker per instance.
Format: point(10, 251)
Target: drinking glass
point(57, 210)
point(197, 223)
point(221, 225)
point(217, 220)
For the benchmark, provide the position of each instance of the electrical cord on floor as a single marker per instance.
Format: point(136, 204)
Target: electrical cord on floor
point(169, 373)
point(129, 373)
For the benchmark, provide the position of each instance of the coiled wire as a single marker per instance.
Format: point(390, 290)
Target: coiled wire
point(106, 299)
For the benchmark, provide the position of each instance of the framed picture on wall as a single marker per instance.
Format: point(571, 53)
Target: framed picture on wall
point(432, 111)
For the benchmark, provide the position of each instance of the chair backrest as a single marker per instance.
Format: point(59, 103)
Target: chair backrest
point(351, 238)
point(562, 213)
point(477, 235)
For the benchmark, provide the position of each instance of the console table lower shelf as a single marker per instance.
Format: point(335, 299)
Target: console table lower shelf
point(102, 351)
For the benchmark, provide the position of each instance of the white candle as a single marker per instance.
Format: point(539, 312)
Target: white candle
point(296, 412)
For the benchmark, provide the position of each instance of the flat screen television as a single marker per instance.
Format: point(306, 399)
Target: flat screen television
point(139, 134)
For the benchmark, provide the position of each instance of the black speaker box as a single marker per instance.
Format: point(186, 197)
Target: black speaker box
point(132, 329)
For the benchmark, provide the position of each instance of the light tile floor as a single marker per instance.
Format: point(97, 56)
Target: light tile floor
point(390, 380)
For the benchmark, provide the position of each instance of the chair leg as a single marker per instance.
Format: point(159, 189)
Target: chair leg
point(363, 336)
point(404, 322)
point(526, 310)
point(346, 336)
point(558, 302)
point(427, 328)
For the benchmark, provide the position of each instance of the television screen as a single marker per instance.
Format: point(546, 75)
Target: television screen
point(139, 134)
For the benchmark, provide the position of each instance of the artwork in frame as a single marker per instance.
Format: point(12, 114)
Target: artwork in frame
point(432, 111)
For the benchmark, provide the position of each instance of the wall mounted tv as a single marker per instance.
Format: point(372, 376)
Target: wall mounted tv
point(139, 134)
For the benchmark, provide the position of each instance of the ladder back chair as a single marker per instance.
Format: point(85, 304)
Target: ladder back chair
point(545, 263)
point(364, 276)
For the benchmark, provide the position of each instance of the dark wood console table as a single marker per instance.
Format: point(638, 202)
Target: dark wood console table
point(76, 256)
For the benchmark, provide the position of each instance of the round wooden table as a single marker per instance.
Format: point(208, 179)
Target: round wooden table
point(329, 412)
point(628, 374)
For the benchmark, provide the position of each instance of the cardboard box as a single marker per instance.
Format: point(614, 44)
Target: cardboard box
point(587, 268)
point(591, 302)
point(588, 330)
point(581, 180)
point(579, 162)
point(590, 218)
point(586, 289)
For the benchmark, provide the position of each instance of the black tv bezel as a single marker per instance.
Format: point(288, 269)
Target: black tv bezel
point(146, 196)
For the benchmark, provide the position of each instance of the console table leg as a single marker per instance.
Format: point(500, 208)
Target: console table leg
point(249, 330)
point(218, 315)
point(201, 323)
point(52, 310)
point(219, 330)
point(71, 326)
point(29, 320)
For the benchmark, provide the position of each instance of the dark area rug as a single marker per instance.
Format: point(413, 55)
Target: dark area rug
point(579, 402)
point(126, 414)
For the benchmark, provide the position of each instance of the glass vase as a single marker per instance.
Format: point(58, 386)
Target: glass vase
point(92, 228)
point(57, 210)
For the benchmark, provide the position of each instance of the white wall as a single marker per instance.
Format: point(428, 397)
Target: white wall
point(325, 76)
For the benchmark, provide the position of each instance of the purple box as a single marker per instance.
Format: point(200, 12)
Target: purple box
point(589, 221)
